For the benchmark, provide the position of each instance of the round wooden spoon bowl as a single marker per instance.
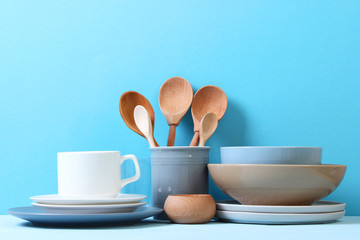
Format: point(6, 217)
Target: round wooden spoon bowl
point(175, 98)
point(128, 101)
point(208, 99)
point(190, 208)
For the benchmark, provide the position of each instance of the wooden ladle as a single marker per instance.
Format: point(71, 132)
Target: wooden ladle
point(128, 101)
point(207, 99)
point(208, 125)
point(175, 97)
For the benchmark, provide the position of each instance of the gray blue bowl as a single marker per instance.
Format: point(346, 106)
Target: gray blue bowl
point(271, 155)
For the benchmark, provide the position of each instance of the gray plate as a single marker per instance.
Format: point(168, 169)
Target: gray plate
point(278, 218)
point(39, 218)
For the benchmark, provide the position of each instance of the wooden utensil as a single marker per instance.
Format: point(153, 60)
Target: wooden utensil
point(208, 125)
point(190, 208)
point(143, 122)
point(175, 98)
point(207, 99)
point(128, 101)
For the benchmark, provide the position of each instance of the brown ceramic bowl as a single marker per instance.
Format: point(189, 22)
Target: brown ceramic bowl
point(190, 208)
point(255, 184)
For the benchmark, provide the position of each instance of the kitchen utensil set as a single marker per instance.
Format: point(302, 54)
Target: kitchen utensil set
point(268, 185)
point(175, 99)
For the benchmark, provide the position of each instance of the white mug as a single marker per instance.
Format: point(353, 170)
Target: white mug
point(92, 174)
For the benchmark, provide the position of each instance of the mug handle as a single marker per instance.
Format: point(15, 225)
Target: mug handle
point(134, 178)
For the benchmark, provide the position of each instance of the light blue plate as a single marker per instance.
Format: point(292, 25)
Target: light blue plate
point(39, 218)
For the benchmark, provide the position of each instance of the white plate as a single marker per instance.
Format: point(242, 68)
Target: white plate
point(278, 218)
point(318, 207)
point(58, 200)
point(89, 209)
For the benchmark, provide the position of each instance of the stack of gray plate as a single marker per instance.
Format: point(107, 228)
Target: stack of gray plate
point(319, 212)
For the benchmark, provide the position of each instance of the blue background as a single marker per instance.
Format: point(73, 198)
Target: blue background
point(290, 70)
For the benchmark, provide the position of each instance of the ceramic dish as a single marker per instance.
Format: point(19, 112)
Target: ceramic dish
point(89, 209)
point(278, 218)
point(39, 218)
point(56, 199)
point(256, 184)
point(271, 155)
point(318, 207)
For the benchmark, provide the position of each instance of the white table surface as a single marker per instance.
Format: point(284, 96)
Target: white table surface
point(346, 228)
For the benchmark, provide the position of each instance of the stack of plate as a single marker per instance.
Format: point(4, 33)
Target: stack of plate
point(56, 204)
point(56, 210)
point(319, 212)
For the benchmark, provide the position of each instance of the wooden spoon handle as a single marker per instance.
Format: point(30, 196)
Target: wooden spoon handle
point(151, 141)
point(202, 142)
point(154, 141)
point(171, 138)
point(195, 140)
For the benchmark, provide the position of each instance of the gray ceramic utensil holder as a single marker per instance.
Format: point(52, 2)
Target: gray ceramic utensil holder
point(177, 170)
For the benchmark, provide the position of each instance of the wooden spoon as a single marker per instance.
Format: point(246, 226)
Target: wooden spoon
point(207, 99)
point(208, 125)
point(128, 101)
point(175, 98)
point(143, 122)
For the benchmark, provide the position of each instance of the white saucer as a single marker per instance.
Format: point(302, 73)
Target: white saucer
point(89, 209)
point(58, 200)
point(278, 218)
point(318, 207)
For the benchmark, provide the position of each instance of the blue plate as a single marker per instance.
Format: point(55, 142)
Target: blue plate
point(40, 218)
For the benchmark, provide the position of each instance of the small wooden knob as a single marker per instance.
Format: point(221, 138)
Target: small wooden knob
point(190, 208)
